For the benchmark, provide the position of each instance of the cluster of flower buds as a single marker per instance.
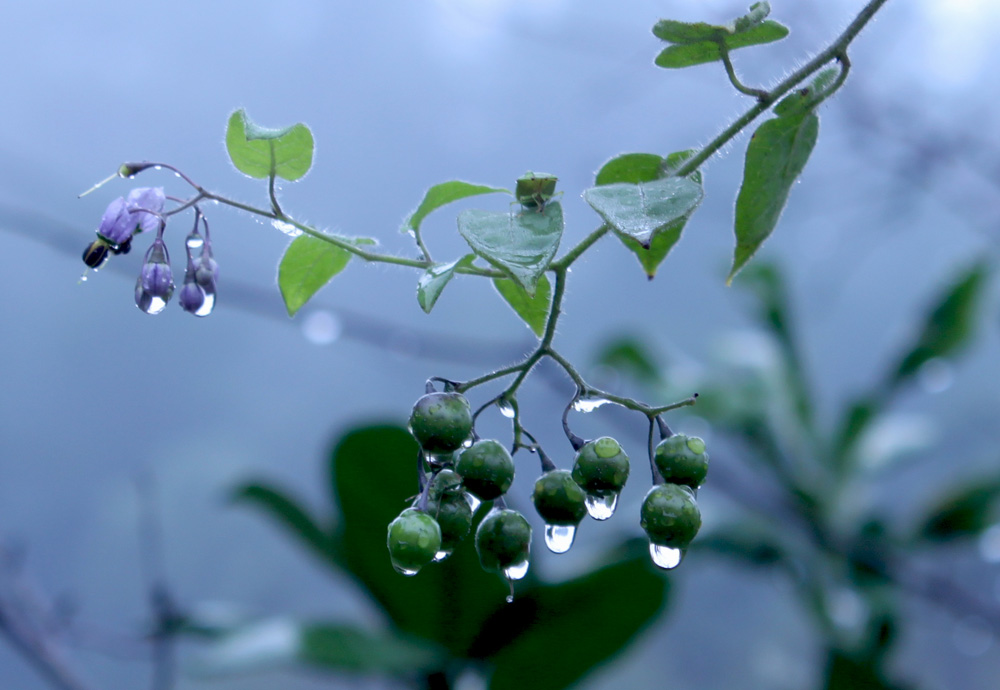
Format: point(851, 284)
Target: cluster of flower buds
point(142, 211)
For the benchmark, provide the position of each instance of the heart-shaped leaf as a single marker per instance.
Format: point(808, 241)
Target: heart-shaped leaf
point(641, 211)
point(307, 265)
point(442, 194)
point(520, 244)
point(262, 152)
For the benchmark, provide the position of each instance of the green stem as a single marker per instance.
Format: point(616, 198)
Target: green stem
point(837, 49)
point(585, 244)
point(759, 94)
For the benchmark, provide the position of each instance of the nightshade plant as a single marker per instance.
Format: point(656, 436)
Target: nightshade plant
point(645, 200)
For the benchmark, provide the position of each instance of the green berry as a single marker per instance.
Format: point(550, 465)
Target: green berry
point(682, 460)
point(450, 507)
point(503, 541)
point(441, 422)
point(601, 466)
point(558, 499)
point(487, 469)
point(414, 539)
point(670, 515)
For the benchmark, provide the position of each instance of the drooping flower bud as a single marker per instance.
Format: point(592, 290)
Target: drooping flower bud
point(96, 254)
point(198, 293)
point(116, 224)
point(155, 284)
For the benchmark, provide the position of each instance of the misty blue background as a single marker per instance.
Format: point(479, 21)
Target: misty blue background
point(401, 96)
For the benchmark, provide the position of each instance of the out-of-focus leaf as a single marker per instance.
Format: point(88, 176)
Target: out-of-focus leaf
point(352, 650)
point(442, 194)
point(688, 54)
point(640, 211)
point(949, 324)
point(775, 157)
point(534, 310)
point(630, 357)
point(372, 477)
point(307, 265)
point(853, 426)
point(521, 244)
point(634, 168)
point(288, 512)
point(432, 282)
point(285, 643)
point(537, 639)
point(963, 512)
point(844, 672)
point(751, 543)
point(262, 152)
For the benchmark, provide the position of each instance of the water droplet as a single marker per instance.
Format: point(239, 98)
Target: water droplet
point(588, 404)
point(602, 506)
point(194, 241)
point(441, 555)
point(473, 501)
point(510, 597)
point(467, 443)
point(152, 304)
point(404, 571)
point(506, 409)
point(517, 570)
point(935, 375)
point(321, 327)
point(559, 537)
point(286, 228)
point(207, 305)
point(666, 557)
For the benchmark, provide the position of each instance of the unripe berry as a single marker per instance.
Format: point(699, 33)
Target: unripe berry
point(441, 422)
point(487, 469)
point(670, 515)
point(558, 499)
point(601, 466)
point(448, 504)
point(682, 460)
point(503, 542)
point(414, 538)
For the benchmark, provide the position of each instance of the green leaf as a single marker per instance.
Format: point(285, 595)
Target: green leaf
point(520, 244)
point(949, 324)
point(287, 512)
point(372, 479)
point(632, 168)
point(534, 310)
point(631, 357)
point(963, 512)
point(520, 640)
point(688, 54)
point(432, 282)
point(641, 211)
point(282, 643)
point(261, 152)
point(442, 194)
point(805, 98)
point(308, 264)
point(349, 649)
point(855, 672)
point(776, 156)
point(683, 32)
point(650, 258)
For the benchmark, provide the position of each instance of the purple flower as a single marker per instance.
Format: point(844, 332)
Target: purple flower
point(146, 199)
point(198, 293)
point(156, 282)
point(116, 225)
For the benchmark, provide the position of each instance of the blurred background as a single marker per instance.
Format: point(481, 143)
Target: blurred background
point(900, 195)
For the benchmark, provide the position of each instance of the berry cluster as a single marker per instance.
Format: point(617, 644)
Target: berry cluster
point(457, 471)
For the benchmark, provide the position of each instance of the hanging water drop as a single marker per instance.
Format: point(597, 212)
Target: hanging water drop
point(559, 537)
point(194, 241)
point(516, 571)
point(473, 501)
point(442, 555)
point(666, 557)
point(588, 403)
point(506, 408)
point(404, 571)
point(602, 506)
point(207, 306)
point(151, 304)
